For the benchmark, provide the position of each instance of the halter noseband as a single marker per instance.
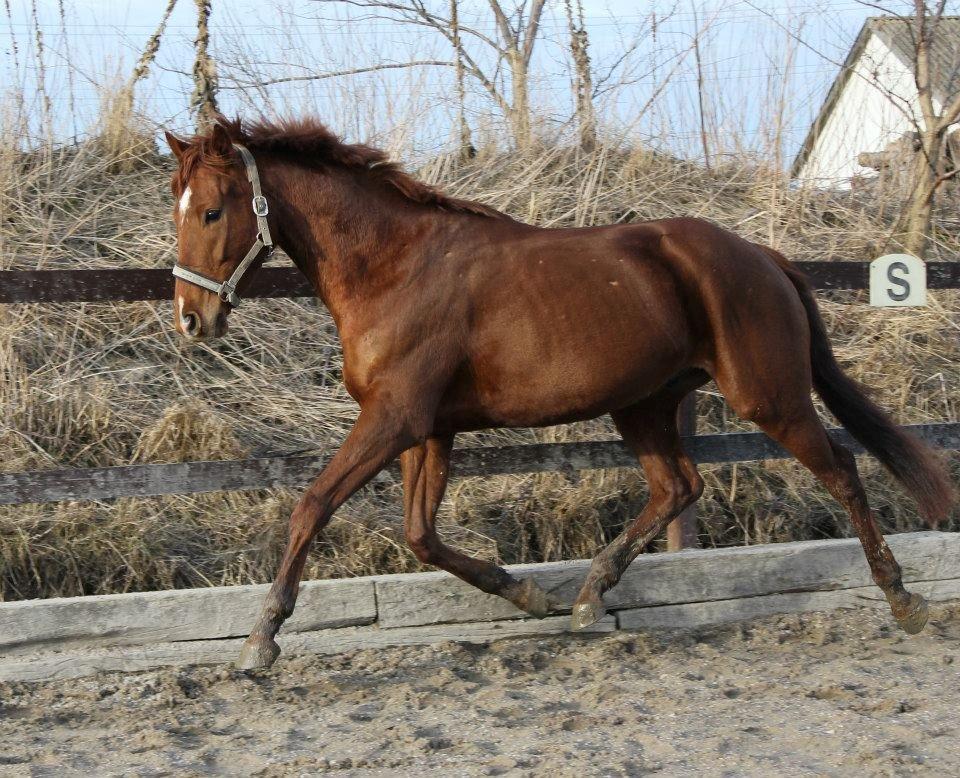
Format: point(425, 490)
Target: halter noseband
point(262, 246)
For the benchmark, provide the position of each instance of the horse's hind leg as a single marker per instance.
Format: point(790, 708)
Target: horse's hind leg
point(804, 436)
point(425, 471)
point(651, 431)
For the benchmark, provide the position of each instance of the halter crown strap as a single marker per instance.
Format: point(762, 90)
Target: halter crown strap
point(260, 207)
point(263, 245)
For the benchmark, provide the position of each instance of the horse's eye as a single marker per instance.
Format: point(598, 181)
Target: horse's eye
point(212, 215)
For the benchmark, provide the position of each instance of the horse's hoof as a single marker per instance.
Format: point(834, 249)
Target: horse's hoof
point(916, 616)
point(586, 613)
point(532, 599)
point(258, 654)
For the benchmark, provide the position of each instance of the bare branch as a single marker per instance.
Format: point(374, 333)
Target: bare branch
point(902, 105)
point(533, 28)
point(239, 84)
point(416, 14)
point(950, 115)
point(503, 24)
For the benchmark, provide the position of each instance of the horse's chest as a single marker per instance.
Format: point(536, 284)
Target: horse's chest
point(364, 357)
point(371, 353)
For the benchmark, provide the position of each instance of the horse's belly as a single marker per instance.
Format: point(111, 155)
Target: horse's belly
point(559, 388)
point(569, 392)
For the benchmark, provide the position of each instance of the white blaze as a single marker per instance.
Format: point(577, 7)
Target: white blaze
point(184, 202)
point(180, 311)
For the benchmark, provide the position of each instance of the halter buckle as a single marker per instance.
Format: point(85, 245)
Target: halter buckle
point(227, 293)
point(260, 207)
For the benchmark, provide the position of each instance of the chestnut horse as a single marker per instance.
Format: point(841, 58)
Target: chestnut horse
point(455, 317)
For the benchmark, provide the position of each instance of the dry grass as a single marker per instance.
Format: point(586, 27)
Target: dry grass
point(109, 384)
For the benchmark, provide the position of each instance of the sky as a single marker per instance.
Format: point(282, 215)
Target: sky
point(765, 68)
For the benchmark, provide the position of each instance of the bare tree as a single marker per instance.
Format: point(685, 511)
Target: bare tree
point(124, 141)
point(927, 164)
point(14, 49)
point(700, 89)
point(204, 97)
point(517, 30)
point(149, 54)
point(71, 92)
point(466, 146)
point(517, 42)
point(583, 78)
point(928, 168)
point(40, 51)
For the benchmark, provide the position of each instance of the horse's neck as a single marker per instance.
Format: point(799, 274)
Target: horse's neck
point(347, 235)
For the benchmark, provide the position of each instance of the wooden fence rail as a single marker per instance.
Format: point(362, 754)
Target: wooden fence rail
point(77, 636)
point(126, 285)
point(267, 472)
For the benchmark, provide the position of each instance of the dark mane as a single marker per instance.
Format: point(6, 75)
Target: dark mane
point(309, 138)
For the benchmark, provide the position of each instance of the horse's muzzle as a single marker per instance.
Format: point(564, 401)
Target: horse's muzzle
point(193, 327)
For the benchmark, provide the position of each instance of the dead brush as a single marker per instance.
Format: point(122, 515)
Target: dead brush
point(109, 384)
point(188, 431)
point(122, 139)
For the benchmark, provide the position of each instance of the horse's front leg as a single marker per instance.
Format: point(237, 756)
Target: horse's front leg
point(376, 439)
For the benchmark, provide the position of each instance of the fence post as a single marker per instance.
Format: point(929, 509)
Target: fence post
point(682, 531)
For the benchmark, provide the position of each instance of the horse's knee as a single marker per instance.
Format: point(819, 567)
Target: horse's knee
point(843, 480)
point(681, 491)
point(310, 513)
point(846, 462)
point(424, 546)
point(694, 487)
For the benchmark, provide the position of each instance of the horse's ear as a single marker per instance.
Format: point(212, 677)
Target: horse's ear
point(220, 140)
point(176, 145)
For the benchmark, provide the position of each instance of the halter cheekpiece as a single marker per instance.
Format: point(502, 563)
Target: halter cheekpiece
point(262, 245)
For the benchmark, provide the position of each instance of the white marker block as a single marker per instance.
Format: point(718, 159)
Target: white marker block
point(898, 280)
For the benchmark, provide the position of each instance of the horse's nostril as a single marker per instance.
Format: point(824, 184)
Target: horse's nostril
point(190, 323)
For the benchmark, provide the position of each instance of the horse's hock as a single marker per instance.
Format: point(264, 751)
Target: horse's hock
point(70, 637)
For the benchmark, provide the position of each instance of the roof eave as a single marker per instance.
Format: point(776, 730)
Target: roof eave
point(836, 89)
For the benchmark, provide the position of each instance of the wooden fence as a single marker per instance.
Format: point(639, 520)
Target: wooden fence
point(130, 285)
point(70, 286)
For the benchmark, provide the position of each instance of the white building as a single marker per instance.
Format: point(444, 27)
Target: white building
point(874, 99)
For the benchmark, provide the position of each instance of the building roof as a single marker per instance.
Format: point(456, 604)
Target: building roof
point(897, 34)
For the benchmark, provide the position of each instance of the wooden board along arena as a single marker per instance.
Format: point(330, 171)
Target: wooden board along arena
point(71, 637)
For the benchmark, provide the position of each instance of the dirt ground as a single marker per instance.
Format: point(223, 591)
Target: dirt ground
point(842, 694)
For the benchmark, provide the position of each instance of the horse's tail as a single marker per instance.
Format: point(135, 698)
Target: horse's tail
point(904, 455)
